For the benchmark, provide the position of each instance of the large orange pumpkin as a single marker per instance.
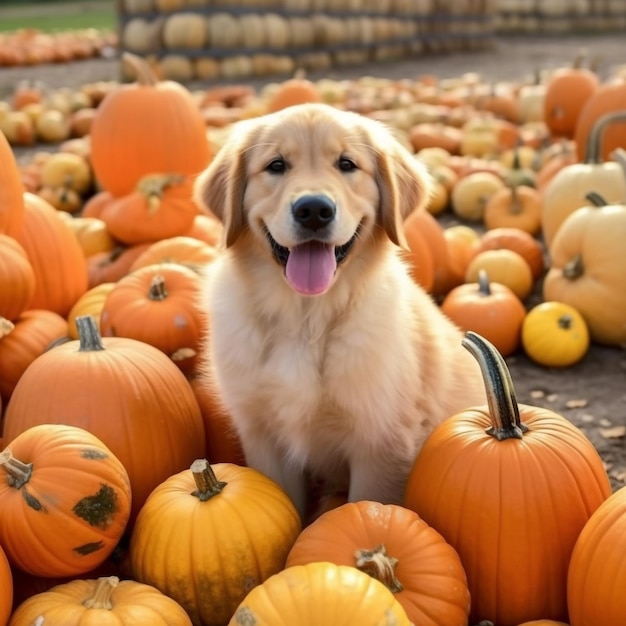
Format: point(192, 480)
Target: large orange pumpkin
point(124, 391)
point(65, 500)
point(609, 98)
point(146, 127)
point(17, 278)
point(533, 482)
point(597, 576)
point(6, 588)
point(11, 191)
point(399, 549)
point(55, 255)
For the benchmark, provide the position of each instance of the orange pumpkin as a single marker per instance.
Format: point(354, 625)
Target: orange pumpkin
point(158, 304)
point(206, 228)
point(146, 127)
point(55, 255)
point(535, 481)
point(184, 250)
point(567, 92)
point(6, 588)
point(296, 90)
point(490, 309)
point(106, 601)
point(17, 278)
point(94, 206)
point(61, 481)
point(11, 191)
point(109, 267)
point(33, 333)
point(129, 392)
point(516, 240)
point(609, 98)
point(160, 206)
point(516, 206)
point(596, 578)
point(397, 548)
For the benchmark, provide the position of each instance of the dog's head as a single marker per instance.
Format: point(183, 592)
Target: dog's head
point(312, 183)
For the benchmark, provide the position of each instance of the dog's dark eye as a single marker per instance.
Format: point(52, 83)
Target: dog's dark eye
point(346, 165)
point(277, 166)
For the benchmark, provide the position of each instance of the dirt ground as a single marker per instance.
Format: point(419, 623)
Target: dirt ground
point(593, 393)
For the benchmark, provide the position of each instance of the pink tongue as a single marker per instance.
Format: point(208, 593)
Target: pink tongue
point(311, 267)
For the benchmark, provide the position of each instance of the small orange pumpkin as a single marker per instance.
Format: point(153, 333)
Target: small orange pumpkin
point(397, 548)
point(184, 250)
point(515, 206)
point(296, 90)
point(17, 278)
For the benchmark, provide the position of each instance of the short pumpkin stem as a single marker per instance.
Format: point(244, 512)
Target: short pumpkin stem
point(143, 72)
point(157, 288)
point(88, 334)
point(501, 400)
point(565, 321)
point(153, 186)
point(484, 287)
point(101, 596)
point(206, 480)
point(18, 473)
point(596, 199)
point(379, 565)
point(6, 326)
point(575, 268)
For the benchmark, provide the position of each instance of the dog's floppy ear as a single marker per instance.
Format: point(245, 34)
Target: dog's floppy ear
point(220, 189)
point(404, 186)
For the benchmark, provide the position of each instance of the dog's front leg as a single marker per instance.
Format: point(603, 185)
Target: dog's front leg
point(379, 479)
point(270, 461)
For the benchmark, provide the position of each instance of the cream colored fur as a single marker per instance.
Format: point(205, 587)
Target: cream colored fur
point(347, 384)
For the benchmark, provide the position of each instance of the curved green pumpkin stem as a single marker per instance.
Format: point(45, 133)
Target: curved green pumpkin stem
point(18, 473)
point(594, 141)
point(206, 480)
point(88, 334)
point(501, 400)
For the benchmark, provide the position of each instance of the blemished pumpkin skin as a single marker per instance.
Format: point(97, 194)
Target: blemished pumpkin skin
point(568, 189)
point(17, 278)
point(158, 304)
point(160, 206)
point(55, 256)
point(6, 588)
point(555, 335)
point(535, 481)
point(125, 392)
point(106, 601)
point(32, 334)
point(588, 269)
point(146, 127)
point(233, 529)
point(596, 577)
point(489, 309)
point(396, 547)
point(320, 594)
point(65, 500)
point(11, 191)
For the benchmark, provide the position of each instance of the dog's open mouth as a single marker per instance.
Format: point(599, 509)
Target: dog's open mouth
point(310, 266)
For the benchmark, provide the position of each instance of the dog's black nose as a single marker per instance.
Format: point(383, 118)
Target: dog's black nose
point(313, 211)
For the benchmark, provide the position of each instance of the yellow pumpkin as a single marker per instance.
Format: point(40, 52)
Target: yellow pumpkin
point(472, 192)
point(320, 593)
point(555, 334)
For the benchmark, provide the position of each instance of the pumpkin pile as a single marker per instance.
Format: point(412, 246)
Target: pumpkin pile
point(101, 254)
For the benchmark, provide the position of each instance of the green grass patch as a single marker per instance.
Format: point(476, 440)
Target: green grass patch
point(55, 17)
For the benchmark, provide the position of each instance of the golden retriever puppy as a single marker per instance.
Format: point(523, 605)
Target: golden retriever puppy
point(328, 356)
